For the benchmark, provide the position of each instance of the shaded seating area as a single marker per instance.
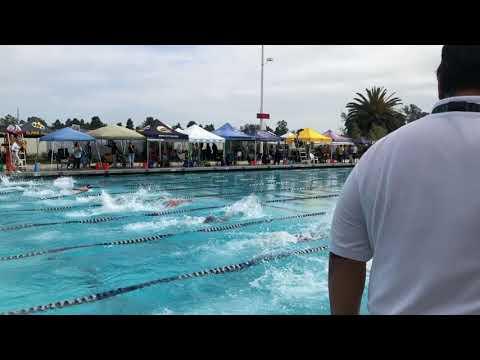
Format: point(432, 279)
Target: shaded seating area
point(107, 136)
point(203, 147)
point(65, 135)
point(161, 150)
point(264, 154)
point(340, 146)
point(235, 144)
point(306, 139)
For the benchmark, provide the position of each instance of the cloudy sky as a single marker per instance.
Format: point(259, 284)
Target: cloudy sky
point(308, 86)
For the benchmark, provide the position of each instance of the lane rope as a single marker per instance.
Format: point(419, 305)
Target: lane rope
point(97, 220)
point(156, 237)
point(160, 213)
point(197, 274)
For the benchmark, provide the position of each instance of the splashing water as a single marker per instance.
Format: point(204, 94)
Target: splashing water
point(164, 223)
point(135, 202)
point(248, 207)
point(292, 283)
point(64, 183)
point(165, 311)
point(5, 181)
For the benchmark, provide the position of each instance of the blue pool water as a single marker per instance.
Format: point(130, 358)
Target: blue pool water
point(277, 212)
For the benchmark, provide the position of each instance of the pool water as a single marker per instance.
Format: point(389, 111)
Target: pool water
point(45, 228)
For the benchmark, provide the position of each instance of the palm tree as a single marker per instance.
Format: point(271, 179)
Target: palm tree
point(376, 108)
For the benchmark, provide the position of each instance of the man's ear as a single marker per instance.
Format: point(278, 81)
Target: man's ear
point(441, 94)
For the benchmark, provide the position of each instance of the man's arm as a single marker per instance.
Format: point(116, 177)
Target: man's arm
point(346, 281)
point(350, 249)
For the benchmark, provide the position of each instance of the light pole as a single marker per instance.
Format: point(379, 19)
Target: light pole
point(263, 126)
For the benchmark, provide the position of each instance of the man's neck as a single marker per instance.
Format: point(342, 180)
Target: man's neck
point(471, 92)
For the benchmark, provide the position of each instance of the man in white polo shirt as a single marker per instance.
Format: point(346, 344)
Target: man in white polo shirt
point(412, 206)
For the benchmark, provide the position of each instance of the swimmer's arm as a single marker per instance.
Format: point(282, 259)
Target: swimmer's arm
point(346, 281)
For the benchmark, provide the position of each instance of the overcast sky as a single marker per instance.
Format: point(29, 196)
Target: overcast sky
point(308, 86)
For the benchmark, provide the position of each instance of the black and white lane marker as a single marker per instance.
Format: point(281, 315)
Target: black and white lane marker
point(197, 274)
point(147, 239)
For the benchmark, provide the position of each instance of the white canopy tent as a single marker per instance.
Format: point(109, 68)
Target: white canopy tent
point(198, 135)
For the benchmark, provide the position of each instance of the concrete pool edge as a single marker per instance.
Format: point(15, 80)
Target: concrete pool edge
point(179, 170)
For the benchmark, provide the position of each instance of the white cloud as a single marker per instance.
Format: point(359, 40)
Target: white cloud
point(305, 85)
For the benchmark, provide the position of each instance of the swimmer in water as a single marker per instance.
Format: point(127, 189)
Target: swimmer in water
point(175, 202)
point(81, 189)
point(211, 219)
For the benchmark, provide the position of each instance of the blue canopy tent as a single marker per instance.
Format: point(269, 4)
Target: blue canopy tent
point(66, 134)
point(229, 133)
point(263, 136)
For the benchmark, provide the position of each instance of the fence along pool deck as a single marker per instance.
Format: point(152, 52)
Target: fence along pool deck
point(178, 170)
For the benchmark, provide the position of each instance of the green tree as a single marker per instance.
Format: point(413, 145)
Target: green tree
point(413, 112)
point(96, 123)
point(58, 125)
point(250, 128)
point(119, 124)
point(377, 132)
point(130, 124)
point(150, 121)
point(355, 132)
point(190, 123)
point(209, 127)
point(282, 128)
point(178, 126)
point(377, 108)
point(8, 120)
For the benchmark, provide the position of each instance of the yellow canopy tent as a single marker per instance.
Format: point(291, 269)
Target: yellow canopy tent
point(309, 135)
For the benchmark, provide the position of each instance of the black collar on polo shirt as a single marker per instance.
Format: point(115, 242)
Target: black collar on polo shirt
point(457, 106)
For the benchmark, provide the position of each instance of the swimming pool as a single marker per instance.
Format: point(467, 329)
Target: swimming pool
point(118, 249)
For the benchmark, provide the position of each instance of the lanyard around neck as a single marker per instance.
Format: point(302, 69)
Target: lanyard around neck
point(462, 106)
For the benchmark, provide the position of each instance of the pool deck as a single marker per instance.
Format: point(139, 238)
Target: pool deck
point(173, 170)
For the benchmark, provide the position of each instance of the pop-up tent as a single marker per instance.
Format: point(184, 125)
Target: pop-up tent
point(114, 132)
point(160, 132)
point(337, 139)
point(311, 136)
point(35, 129)
point(196, 134)
point(65, 134)
point(229, 133)
point(263, 136)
